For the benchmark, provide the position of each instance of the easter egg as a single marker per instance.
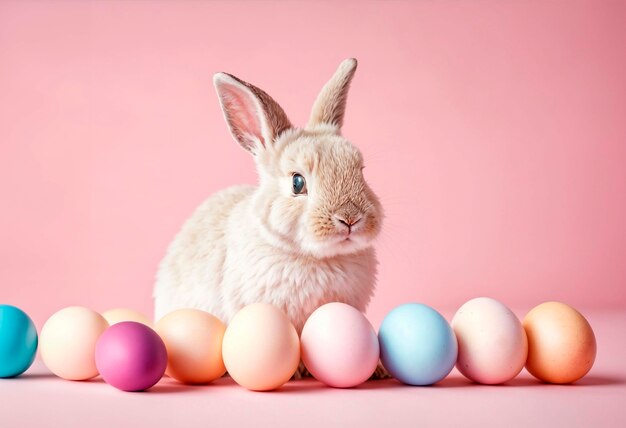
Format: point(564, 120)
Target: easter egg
point(113, 316)
point(492, 342)
point(18, 341)
point(193, 339)
point(131, 356)
point(339, 346)
point(417, 345)
point(67, 342)
point(561, 343)
point(261, 349)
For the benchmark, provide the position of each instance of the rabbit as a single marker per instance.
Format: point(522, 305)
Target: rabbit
point(302, 238)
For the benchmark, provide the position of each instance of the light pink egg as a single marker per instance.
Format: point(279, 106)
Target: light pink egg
point(339, 346)
point(67, 342)
point(492, 341)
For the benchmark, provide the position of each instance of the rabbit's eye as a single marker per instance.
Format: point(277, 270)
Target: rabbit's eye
point(298, 184)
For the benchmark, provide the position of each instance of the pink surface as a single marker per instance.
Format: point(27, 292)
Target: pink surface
point(493, 131)
point(38, 399)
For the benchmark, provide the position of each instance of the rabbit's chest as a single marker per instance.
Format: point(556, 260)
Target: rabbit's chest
point(298, 286)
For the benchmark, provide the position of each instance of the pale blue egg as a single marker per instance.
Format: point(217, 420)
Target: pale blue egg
point(417, 345)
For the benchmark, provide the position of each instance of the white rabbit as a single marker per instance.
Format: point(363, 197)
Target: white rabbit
point(301, 238)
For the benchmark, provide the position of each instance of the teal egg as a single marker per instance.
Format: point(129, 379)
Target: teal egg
point(417, 345)
point(18, 341)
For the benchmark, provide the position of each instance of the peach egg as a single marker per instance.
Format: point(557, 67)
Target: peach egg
point(193, 339)
point(261, 348)
point(68, 342)
point(561, 343)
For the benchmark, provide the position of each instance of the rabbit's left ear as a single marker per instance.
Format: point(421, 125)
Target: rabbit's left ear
point(253, 117)
point(330, 105)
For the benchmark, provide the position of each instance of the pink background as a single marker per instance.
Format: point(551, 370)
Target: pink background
point(494, 133)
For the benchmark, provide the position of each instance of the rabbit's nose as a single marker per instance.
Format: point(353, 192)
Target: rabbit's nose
point(348, 220)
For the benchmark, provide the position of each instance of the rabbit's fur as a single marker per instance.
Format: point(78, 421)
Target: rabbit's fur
point(265, 243)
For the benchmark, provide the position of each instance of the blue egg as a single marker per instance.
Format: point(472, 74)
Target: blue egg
point(18, 341)
point(417, 345)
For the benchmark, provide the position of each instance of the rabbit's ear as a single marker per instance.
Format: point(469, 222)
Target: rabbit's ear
point(330, 104)
point(253, 117)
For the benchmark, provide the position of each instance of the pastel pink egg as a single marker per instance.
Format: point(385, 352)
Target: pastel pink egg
point(67, 342)
point(339, 346)
point(492, 341)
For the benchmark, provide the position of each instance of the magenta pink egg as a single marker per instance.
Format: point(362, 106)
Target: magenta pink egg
point(131, 356)
point(339, 346)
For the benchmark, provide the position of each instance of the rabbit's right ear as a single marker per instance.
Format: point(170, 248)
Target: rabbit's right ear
point(330, 105)
point(253, 117)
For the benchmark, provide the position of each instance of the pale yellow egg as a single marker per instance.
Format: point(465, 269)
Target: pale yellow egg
point(113, 316)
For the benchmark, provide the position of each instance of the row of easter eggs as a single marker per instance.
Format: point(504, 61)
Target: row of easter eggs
point(261, 349)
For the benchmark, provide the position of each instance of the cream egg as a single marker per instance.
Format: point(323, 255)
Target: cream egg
point(68, 342)
point(492, 342)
